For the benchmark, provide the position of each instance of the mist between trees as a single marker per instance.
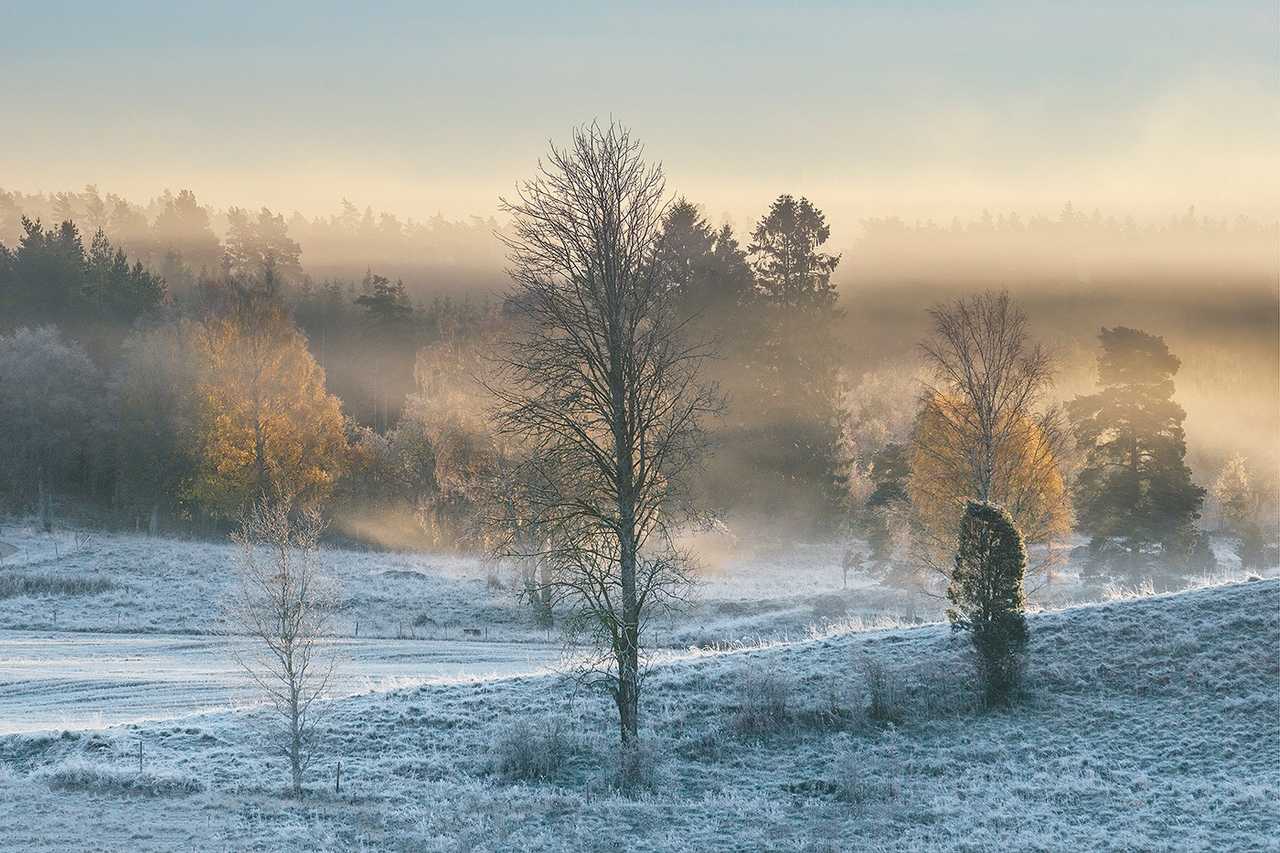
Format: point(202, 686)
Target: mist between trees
point(177, 358)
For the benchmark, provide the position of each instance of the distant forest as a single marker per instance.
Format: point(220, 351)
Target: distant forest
point(137, 319)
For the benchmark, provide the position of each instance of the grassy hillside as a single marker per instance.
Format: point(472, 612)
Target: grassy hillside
point(1147, 724)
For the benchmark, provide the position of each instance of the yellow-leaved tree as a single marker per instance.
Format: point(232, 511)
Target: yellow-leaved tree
point(1026, 477)
point(265, 422)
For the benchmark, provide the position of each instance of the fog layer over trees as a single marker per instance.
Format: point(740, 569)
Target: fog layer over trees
point(339, 356)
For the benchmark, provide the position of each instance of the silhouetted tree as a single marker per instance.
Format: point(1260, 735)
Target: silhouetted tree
point(389, 344)
point(1134, 495)
point(48, 272)
point(183, 227)
point(50, 278)
point(706, 269)
point(385, 303)
point(785, 248)
point(788, 420)
point(49, 403)
point(890, 472)
point(256, 245)
point(116, 291)
point(604, 392)
point(153, 400)
point(1250, 509)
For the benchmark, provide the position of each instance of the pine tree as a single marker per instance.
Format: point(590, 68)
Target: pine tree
point(794, 411)
point(790, 270)
point(890, 473)
point(706, 270)
point(386, 305)
point(1134, 496)
point(115, 290)
point(390, 341)
point(986, 595)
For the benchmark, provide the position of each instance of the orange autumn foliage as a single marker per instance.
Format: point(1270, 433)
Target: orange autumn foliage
point(1028, 479)
point(265, 421)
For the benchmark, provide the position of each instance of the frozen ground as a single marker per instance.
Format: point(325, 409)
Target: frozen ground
point(84, 681)
point(176, 586)
point(1148, 723)
point(133, 584)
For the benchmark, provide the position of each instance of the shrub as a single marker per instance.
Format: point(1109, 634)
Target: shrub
point(870, 773)
point(524, 752)
point(76, 774)
point(16, 585)
point(764, 697)
point(884, 699)
point(987, 598)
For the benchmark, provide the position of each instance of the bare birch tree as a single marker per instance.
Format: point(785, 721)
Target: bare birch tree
point(601, 391)
point(285, 602)
point(986, 431)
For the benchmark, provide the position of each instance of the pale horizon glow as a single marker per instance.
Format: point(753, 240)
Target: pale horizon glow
point(939, 111)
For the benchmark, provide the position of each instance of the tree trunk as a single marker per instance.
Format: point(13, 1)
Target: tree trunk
point(628, 696)
point(44, 500)
point(295, 745)
point(544, 590)
point(153, 522)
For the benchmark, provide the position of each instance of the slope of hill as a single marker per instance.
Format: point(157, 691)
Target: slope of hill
point(1147, 724)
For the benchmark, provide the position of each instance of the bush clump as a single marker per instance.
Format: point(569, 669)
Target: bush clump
point(76, 774)
point(764, 699)
point(884, 692)
point(524, 752)
point(16, 585)
point(987, 597)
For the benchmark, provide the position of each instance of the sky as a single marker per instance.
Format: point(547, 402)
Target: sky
point(915, 109)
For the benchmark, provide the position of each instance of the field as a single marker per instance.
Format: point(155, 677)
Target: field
point(1147, 722)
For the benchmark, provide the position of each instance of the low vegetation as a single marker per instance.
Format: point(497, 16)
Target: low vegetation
point(79, 774)
point(1130, 736)
point(16, 585)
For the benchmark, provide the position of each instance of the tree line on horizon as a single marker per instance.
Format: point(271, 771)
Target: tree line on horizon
point(379, 392)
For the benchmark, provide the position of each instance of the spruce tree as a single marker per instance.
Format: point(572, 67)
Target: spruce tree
point(1134, 496)
point(986, 595)
point(797, 398)
point(705, 269)
point(890, 472)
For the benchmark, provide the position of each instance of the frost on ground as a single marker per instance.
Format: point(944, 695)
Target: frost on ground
point(133, 584)
point(1148, 723)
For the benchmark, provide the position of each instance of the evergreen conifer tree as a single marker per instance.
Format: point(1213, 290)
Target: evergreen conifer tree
point(1134, 496)
point(986, 595)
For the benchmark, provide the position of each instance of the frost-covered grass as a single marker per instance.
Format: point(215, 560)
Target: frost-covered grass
point(1146, 723)
point(15, 585)
point(78, 773)
point(135, 584)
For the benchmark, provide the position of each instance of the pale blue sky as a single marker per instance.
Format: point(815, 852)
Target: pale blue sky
point(913, 108)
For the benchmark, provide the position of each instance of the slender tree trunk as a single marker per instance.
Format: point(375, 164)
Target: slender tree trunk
point(44, 500)
point(153, 522)
point(295, 725)
point(544, 589)
point(295, 755)
point(628, 652)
